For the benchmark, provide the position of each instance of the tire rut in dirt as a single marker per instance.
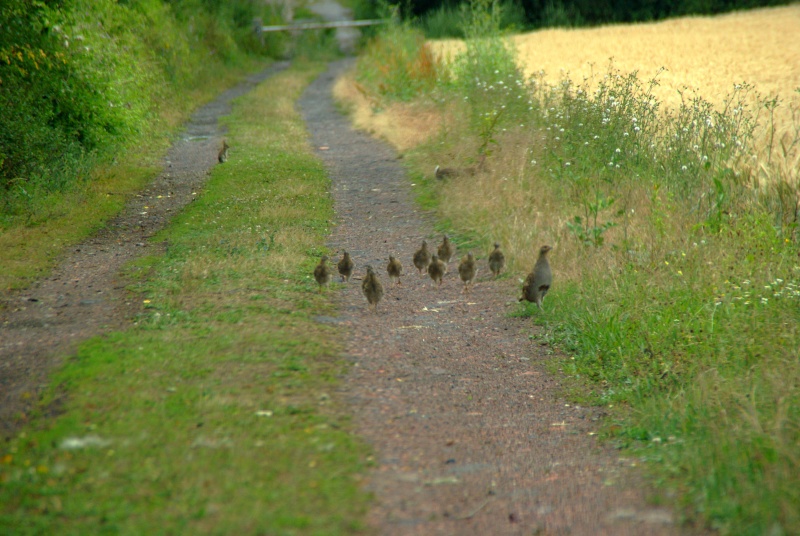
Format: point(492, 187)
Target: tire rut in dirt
point(469, 433)
point(85, 295)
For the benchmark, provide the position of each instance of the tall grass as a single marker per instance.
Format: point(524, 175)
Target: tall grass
point(449, 20)
point(677, 278)
point(398, 64)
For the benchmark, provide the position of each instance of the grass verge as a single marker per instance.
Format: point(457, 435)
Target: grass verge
point(675, 257)
point(216, 413)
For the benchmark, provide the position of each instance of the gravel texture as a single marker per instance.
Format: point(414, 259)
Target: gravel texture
point(469, 432)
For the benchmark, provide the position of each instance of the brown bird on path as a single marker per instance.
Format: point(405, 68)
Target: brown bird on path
point(467, 271)
point(539, 280)
point(422, 257)
point(322, 273)
point(223, 153)
point(395, 270)
point(496, 260)
point(372, 288)
point(446, 249)
point(345, 266)
point(437, 269)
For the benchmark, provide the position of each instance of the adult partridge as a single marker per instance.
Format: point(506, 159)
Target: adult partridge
point(539, 280)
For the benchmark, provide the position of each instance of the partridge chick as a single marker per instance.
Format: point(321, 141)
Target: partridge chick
point(346, 266)
point(539, 280)
point(446, 250)
point(437, 269)
point(372, 288)
point(322, 273)
point(422, 257)
point(223, 153)
point(394, 269)
point(467, 271)
point(496, 260)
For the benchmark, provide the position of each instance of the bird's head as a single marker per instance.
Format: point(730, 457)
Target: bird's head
point(544, 250)
point(496, 245)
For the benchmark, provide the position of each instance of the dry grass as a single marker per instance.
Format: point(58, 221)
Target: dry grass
point(706, 54)
point(401, 124)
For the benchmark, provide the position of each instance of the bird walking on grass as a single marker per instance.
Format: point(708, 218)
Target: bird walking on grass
point(422, 258)
point(437, 269)
point(322, 273)
point(496, 260)
point(539, 280)
point(222, 157)
point(467, 271)
point(345, 266)
point(443, 173)
point(372, 288)
point(446, 250)
point(395, 270)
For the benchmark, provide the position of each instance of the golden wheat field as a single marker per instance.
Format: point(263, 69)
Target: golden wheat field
point(706, 54)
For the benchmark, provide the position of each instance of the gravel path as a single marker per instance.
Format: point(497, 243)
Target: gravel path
point(469, 433)
point(85, 296)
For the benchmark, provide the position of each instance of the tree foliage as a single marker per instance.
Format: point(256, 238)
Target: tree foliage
point(541, 13)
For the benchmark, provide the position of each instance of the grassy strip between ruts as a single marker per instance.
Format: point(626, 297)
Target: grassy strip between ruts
point(216, 413)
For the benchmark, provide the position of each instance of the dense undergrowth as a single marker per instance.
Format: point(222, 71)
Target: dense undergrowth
point(81, 79)
point(677, 297)
point(90, 91)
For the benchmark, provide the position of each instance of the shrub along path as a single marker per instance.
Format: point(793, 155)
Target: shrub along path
point(469, 433)
point(85, 295)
